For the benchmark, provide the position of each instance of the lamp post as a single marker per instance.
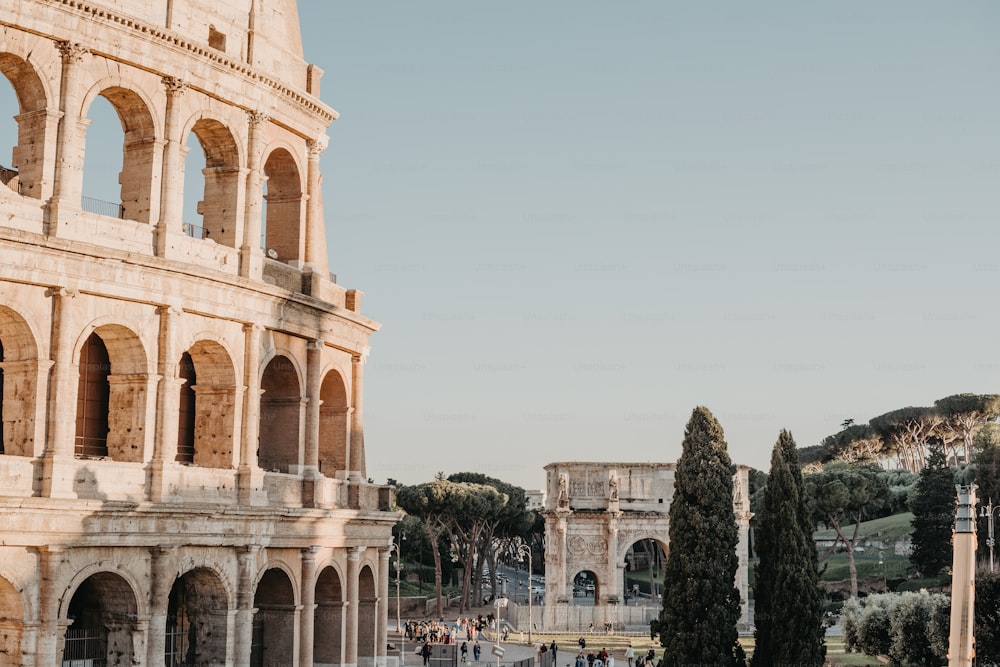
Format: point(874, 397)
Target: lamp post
point(522, 550)
point(987, 512)
point(397, 547)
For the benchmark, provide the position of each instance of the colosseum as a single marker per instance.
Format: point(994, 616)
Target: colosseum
point(182, 460)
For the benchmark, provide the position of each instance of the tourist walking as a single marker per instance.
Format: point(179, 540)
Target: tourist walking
point(630, 654)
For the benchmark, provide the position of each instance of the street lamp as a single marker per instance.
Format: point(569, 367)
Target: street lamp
point(397, 547)
point(521, 551)
point(988, 513)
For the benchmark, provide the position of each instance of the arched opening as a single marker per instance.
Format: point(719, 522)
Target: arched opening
point(11, 624)
point(367, 617)
point(186, 410)
point(642, 572)
point(102, 615)
point(22, 147)
point(112, 394)
point(284, 207)
point(18, 385)
point(280, 414)
point(329, 619)
point(93, 395)
point(208, 406)
point(334, 424)
point(586, 588)
point(197, 614)
point(119, 117)
point(273, 641)
point(214, 216)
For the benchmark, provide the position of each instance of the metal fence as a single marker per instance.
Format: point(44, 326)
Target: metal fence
point(101, 207)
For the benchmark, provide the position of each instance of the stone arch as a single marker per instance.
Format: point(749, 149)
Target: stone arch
point(586, 585)
point(281, 414)
point(328, 644)
point(138, 148)
point(273, 638)
point(644, 554)
point(102, 612)
point(113, 392)
point(19, 382)
point(12, 615)
point(222, 177)
point(27, 157)
point(208, 406)
point(197, 615)
point(284, 205)
point(367, 615)
point(334, 424)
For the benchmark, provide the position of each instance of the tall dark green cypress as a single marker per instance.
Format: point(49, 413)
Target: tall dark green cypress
point(933, 509)
point(701, 605)
point(788, 611)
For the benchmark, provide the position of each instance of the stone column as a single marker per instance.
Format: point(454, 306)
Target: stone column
point(68, 176)
point(161, 580)
point(172, 179)
point(167, 403)
point(316, 256)
point(357, 458)
point(351, 626)
point(251, 257)
point(249, 475)
point(314, 383)
point(307, 624)
point(56, 480)
point(51, 635)
point(382, 606)
point(246, 557)
point(36, 162)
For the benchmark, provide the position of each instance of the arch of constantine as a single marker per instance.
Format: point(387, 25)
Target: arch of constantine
point(594, 514)
point(182, 455)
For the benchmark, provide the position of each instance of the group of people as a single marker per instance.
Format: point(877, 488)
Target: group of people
point(604, 659)
point(439, 632)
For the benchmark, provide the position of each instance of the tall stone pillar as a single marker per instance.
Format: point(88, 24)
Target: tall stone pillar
point(351, 626)
point(162, 580)
point(172, 179)
point(52, 629)
point(307, 624)
point(251, 256)
point(247, 564)
point(381, 611)
point(56, 479)
point(314, 382)
point(249, 476)
point(167, 403)
point(357, 461)
point(68, 177)
point(316, 255)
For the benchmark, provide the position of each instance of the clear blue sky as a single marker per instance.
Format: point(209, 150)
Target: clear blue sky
point(577, 221)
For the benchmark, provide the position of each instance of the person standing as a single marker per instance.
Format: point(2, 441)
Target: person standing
point(554, 647)
point(465, 653)
point(630, 654)
point(476, 650)
point(425, 652)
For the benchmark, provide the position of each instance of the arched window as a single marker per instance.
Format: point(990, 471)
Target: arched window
point(23, 147)
point(284, 207)
point(273, 637)
point(92, 399)
point(280, 413)
point(212, 172)
point(186, 411)
point(102, 615)
point(196, 620)
point(329, 615)
point(119, 184)
point(8, 135)
point(367, 621)
point(333, 425)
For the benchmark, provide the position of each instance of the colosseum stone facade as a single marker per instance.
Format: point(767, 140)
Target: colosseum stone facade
point(182, 462)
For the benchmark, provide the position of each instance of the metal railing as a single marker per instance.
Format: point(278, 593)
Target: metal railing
point(101, 207)
point(193, 230)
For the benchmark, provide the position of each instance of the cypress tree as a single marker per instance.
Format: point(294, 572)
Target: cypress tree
point(701, 605)
point(933, 509)
point(787, 601)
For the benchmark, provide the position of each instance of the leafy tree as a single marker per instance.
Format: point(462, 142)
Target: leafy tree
point(964, 415)
point(987, 477)
point(854, 443)
point(911, 628)
point(431, 502)
point(841, 495)
point(701, 605)
point(933, 510)
point(788, 610)
point(906, 432)
point(987, 629)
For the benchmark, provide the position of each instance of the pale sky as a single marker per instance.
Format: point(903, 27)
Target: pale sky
point(576, 221)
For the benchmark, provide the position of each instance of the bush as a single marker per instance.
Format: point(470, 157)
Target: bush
point(907, 627)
